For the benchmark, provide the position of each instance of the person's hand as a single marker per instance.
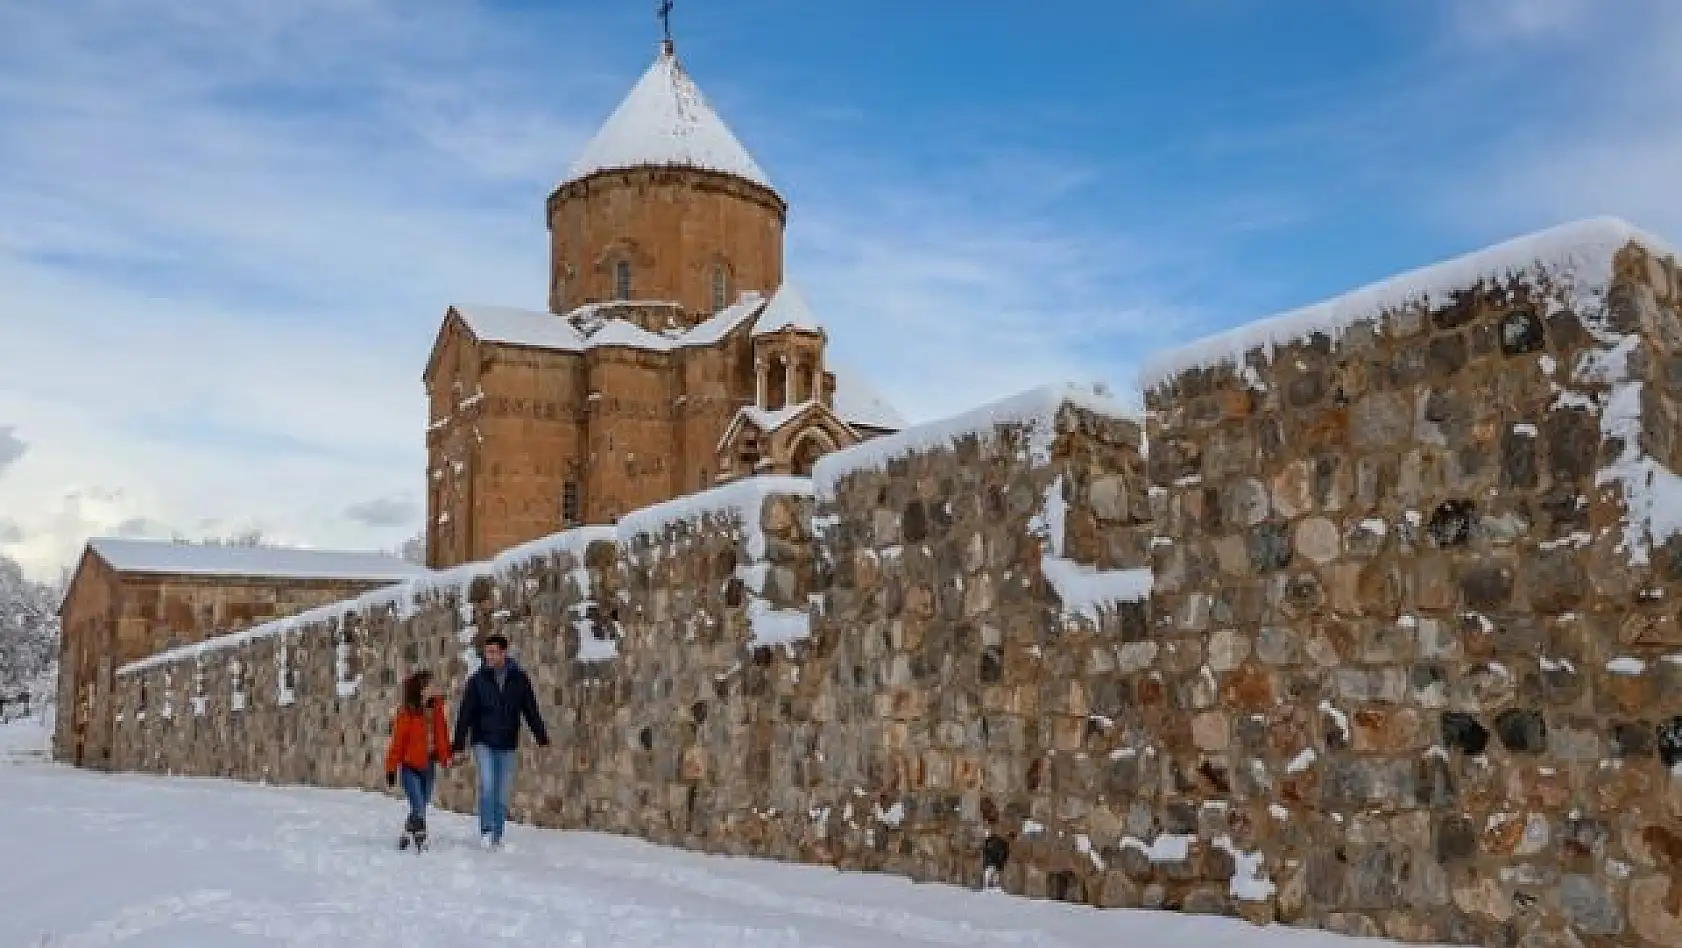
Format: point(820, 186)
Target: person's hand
point(391, 780)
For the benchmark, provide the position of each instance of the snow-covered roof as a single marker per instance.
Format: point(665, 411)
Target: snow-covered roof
point(1579, 254)
point(769, 421)
point(858, 403)
point(787, 310)
point(666, 122)
point(517, 327)
point(520, 327)
point(1035, 409)
point(162, 556)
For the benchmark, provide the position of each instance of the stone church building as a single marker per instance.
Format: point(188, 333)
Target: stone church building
point(673, 355)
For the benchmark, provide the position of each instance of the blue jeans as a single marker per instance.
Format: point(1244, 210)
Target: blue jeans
point(496, 786)
point(417, 786)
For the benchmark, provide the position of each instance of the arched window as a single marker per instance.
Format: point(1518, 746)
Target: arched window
point(721, 287)
point(622, 280)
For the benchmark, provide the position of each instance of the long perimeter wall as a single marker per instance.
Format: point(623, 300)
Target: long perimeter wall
point(1380, 635)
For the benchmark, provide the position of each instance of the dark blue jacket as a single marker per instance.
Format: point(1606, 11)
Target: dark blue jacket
point(491, 716)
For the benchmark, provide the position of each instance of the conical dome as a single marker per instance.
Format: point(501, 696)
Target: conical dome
point(666, 122)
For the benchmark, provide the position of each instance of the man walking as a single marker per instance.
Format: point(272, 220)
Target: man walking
point(494, 700)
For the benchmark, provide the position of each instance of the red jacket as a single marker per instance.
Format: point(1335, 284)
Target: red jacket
point(411, 744)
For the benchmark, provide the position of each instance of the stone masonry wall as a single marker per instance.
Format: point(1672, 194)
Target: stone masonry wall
point(1404, 662)
point(1423, 666)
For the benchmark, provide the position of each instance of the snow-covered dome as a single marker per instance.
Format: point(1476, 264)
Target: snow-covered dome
point(666, 122)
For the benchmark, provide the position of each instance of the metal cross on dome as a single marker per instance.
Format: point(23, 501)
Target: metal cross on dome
point(665, 14)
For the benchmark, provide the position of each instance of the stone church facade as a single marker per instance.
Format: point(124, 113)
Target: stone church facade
point(673, 356)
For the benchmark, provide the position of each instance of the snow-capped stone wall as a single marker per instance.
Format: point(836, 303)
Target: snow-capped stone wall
point(1414, 624)
point(1380, 636)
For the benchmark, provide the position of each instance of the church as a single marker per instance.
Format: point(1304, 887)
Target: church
point(674, 354)
point(673, 357)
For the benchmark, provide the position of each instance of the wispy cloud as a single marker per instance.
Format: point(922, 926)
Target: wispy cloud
point(1490, 23)
point(240, 223)
point(11, 447)
point(1610, 145)
point(384, 512)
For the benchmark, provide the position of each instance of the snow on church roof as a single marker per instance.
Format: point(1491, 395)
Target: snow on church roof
point(666, 122)
point(858, 403)
point(1578, 254)
point(519, 327)
point(788, 309)
point(162, 556)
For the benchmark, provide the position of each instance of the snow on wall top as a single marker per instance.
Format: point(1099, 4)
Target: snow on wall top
point(162, 556)
point(1035, 409)
point(665, 122)
point(788, 309)
point(401, 596)
point(743, 499)
point(518, 327)
point(1579, 254)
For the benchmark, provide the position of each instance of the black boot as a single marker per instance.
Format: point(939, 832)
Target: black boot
point(416, 830)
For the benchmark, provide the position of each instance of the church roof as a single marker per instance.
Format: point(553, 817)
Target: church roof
point(666, 122)
point(519, 327)
point(267, 562)
point(787, 310)
point(859, 404)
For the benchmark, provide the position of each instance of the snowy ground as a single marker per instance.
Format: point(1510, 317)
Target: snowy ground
point(94, 860)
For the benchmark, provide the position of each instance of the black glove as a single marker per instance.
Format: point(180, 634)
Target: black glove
point(391, 780)
point(458, 749)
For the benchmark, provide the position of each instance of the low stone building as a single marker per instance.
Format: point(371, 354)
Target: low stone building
point(131, 598)
point(674, 355)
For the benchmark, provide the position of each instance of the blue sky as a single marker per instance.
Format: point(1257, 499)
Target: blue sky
point(228, 231)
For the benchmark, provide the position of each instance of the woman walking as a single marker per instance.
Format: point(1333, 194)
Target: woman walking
point(420, 743)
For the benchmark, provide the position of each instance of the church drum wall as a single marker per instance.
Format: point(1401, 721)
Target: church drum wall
point(694, 218)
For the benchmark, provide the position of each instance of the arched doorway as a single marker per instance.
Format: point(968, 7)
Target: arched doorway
point(810, 446)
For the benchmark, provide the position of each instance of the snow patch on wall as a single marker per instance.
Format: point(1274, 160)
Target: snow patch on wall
point(1083, 589)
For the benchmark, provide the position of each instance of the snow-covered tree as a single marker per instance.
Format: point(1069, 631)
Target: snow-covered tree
point(413, 550)
point(28, 628)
